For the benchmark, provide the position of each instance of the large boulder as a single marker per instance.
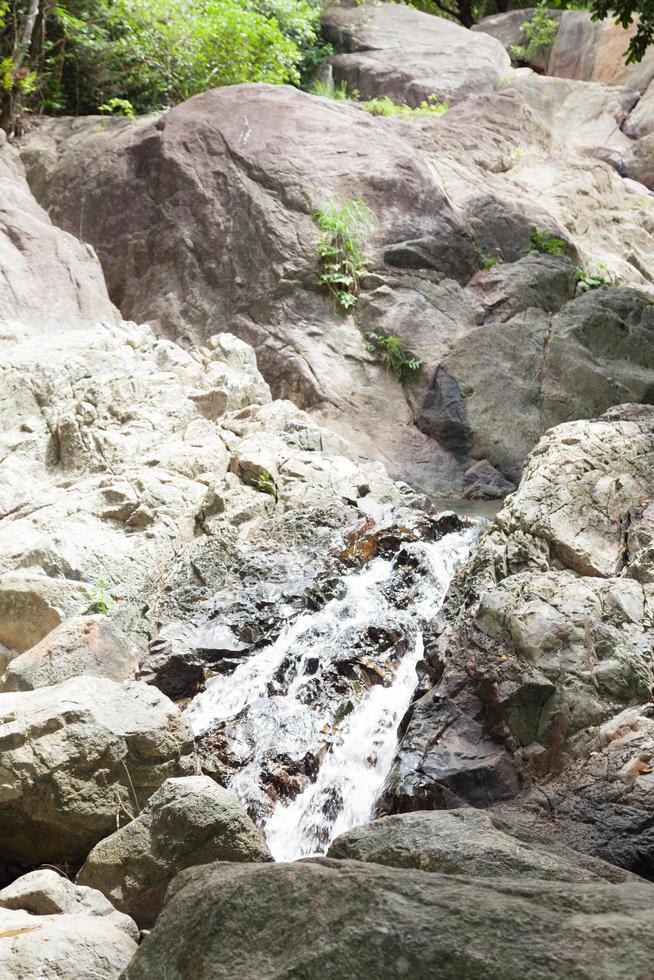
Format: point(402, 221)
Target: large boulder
point(640, 121)
point(188, 821)
point(547, 638)
point(397, 51)
point(468, 842)
point(48, 277)
point(66, 946)
point(79, 758)
point(48, 892)
point(593, 353)
point(366, 920)
point(51, 927)
point(81, 645)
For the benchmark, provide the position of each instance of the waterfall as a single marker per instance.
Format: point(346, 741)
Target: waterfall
point(286, 701)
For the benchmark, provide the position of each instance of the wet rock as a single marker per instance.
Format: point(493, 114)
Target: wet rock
point(80, 757)
point(469, 842)
point(390, 922)
point(188, 821)
point(483, 482)
point(81, 645)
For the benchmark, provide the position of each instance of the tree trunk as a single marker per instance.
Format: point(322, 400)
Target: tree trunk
point(10, 104)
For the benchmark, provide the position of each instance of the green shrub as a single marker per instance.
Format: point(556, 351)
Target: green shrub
point(345, 226)
point(539, 32)
point(386, 107)
point(547, 243)
point(392, 354)
point(118, 107)
point(100, 602)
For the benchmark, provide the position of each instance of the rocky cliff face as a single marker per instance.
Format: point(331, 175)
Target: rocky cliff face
point(203, 222)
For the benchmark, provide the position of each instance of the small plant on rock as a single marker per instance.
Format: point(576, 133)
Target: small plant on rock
point(539, 33)
point(328, 90)
point(586, 282)
point(100, 602)
point(392, 354)
point(547, 243)
point(431, 106)
point(488, 261)
point(345, 226)
point(266, 484)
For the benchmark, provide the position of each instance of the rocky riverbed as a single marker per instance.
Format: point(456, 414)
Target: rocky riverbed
point(264, 709)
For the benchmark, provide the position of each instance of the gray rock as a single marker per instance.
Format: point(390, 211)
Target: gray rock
point(80, 757)
point(640, 121)
point(47, 892)
point(545, 282)
point(81, 645)
point(639, 161)
point(365, 920)
point(397, 51)
point(594, 51)
point(483, 482)
point(66, 946)
point(187, 822)
point(49, 277)
point(507, 29)
point(546, 640)
point(468, 842)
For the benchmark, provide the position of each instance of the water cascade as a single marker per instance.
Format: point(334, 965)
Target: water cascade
point(299, 703)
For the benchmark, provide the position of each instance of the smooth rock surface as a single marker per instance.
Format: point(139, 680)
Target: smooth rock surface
point(398, 51)
point(365, 920)
point(468, 842)
point(187, 822)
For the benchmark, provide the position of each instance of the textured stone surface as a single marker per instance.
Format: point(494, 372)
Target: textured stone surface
point(66, 946)
point(365, 920)
point(468, 842)
point(639, 161)
point(188, 821)
point(81, 645)
point(547, 638)
point(48, 892)
point(79, 757)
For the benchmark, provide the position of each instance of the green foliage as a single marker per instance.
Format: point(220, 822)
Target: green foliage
point(392, 354)
point(155, 53)
point(327, 90)
point(586, 281)
point(547, 243)
point(118, 107)
point(625, 12)
point(100, 602)
point(489, 261)
point(266, 484)
point(345, 226)
point(386, 107)
point(539, 32)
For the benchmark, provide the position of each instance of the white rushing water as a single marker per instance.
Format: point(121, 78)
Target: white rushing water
point(363, 744)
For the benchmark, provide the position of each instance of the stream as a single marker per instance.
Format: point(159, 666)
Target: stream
point(312, 718)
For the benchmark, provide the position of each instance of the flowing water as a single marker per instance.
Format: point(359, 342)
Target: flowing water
point(285, 718)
